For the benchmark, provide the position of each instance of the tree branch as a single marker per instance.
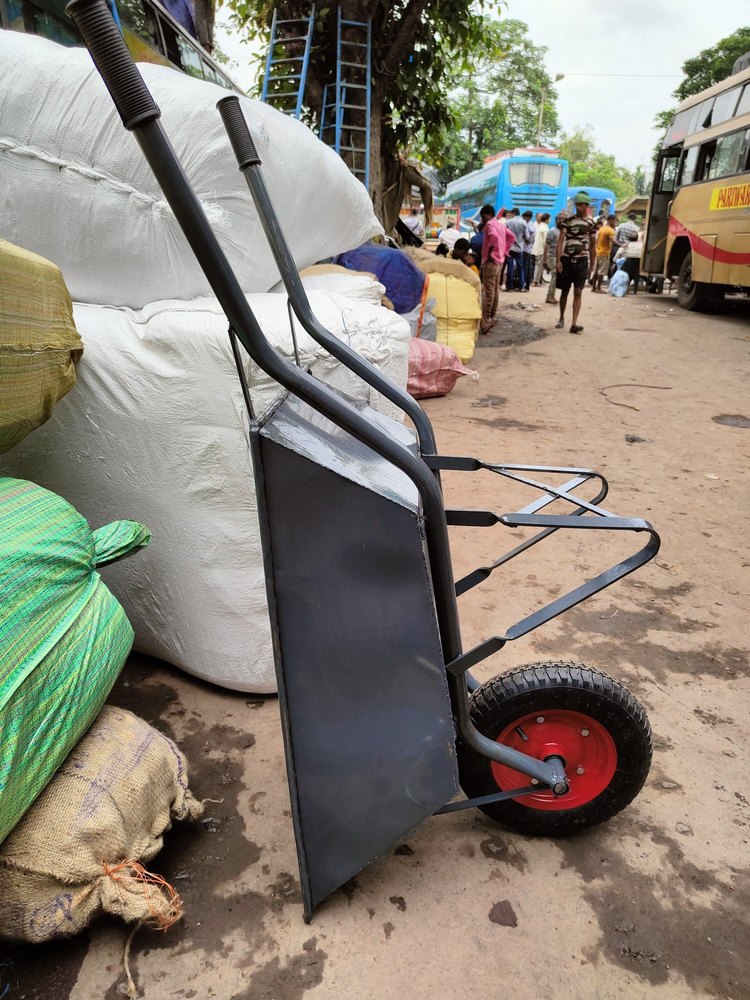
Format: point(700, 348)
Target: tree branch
point(406, 32)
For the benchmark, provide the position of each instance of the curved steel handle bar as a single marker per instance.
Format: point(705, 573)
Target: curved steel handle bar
point(249, 164)
point(140, 114)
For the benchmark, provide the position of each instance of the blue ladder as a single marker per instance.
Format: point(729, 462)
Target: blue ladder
point(287, 62)
point(346, 106)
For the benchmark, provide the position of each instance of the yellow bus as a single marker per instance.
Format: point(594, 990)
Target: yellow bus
point(698, 225)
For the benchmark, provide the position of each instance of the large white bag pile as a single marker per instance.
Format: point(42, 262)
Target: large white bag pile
point(156, 429)
point(75, 188)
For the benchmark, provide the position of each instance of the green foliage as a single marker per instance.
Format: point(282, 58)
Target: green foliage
point(495, 103)
point(712, 65)
point(704, 70)
point(419, 48)
point(589, 166)
point(641, 181)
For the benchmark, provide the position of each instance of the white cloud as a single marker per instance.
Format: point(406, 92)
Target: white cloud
point(650, 37)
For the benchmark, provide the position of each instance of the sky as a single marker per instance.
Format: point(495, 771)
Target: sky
point(646, 40)
point(649, 37)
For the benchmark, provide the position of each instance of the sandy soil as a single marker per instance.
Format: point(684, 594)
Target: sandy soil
point(654, 904)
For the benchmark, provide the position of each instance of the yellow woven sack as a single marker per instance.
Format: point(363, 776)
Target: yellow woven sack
point(458, 309)
point(39, 343)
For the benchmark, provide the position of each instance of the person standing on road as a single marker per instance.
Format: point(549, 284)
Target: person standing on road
point(493, 255)
point(550, 249)
point(528, 250)
point(624, 233)
point(604, 239)
point(542, 228)
point(517, 227)
point(575, 249)
point(631, 261)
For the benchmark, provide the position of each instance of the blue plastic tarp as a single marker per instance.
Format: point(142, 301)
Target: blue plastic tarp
point(404, 282)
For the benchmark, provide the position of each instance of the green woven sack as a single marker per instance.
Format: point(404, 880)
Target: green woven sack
point(63, 637)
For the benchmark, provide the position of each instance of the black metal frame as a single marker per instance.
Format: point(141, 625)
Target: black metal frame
point(140, 115)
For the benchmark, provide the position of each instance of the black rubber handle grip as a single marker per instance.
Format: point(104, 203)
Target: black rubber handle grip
point(125, 84)
point(237, 130)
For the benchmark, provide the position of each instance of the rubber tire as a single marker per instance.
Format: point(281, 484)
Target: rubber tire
point(558, 685)
point(697, 297)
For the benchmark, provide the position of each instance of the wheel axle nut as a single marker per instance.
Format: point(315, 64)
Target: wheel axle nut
point(584, 732)
point(560, 788)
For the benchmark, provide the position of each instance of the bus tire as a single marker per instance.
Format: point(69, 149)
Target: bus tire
point(691, 294)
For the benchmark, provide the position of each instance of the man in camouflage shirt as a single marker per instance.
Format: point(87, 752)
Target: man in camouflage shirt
point(575, 253)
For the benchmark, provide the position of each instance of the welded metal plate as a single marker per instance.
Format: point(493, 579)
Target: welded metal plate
point(367, 718)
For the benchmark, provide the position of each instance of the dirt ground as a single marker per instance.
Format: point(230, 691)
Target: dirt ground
point(654, 904)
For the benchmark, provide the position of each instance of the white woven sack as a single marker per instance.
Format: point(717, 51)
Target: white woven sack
point(75, 187)
point(156, 429)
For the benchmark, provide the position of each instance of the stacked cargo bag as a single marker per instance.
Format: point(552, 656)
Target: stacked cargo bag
point(81, 849)
point(434, 369)
point(404, 283)
point(64, 637)
point(76, 190)
point(157, 424)
point(39, 343)
point(457, 294)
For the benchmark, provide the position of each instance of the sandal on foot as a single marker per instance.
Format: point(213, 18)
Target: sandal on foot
point(576, 329)
point(560, 325)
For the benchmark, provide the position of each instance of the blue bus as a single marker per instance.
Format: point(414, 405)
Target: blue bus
point(532, 179)
point(602, 200)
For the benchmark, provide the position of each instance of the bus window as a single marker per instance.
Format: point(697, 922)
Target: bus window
point(705, 159)
point(210, 74)
point(704, 117)
point(725, 106)
point(687, 166)
point(743, 108)
point(668, 174)
point(728, 155)
point(140, 20)
point(171, 49)
point(518, 173)
point(190, 59)
point(680, 128)
point(46, 18)
point(535, 173)
point(50, 27)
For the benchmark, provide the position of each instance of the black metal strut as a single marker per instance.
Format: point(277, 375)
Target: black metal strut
point(249, 163)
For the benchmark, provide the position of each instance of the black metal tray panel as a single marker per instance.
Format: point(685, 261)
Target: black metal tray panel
point(365, 707)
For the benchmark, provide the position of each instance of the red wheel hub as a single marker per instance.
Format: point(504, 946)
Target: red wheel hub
point(583, 743)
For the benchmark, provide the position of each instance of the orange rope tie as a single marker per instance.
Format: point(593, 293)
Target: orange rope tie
point(154, 887)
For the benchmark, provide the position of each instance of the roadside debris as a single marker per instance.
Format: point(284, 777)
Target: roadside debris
point(628, 385)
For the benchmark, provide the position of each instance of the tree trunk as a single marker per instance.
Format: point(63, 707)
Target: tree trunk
point(378, 168)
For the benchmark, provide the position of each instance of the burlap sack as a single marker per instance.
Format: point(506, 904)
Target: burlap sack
point(79, 850)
